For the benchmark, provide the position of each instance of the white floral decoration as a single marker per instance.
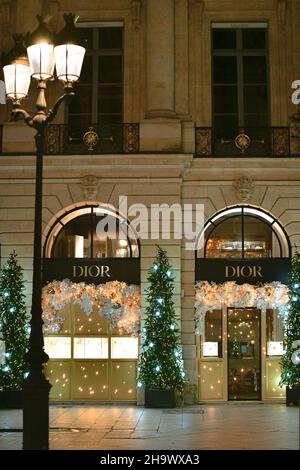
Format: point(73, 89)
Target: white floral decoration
point(119, 302)
point(211, 296)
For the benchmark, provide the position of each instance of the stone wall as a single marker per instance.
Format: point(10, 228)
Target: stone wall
point(157, 179)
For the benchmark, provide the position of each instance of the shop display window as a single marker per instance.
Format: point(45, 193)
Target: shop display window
point(275, 333)
point(90, 348)
point(124, 348)
point(58, 347)
point(212, 337)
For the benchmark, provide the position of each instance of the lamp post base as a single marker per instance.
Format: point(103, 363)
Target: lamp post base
point(36, 415)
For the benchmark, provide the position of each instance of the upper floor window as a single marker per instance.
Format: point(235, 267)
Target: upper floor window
point(243, 232)
point(99, 95)
point(91, 232)
point(239, 78)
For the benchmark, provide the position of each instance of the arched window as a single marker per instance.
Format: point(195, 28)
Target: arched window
point(93, 231)
point(243, 232)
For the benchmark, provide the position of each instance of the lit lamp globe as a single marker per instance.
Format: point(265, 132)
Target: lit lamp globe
point(68, 54)
point(17, 81)
point(17, 72)
point(40, 52)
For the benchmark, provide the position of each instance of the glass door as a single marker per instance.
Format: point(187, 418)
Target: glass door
point(244, 362)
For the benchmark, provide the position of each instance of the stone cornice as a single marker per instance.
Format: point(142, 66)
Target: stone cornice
point(104, 166)
point(222, 169)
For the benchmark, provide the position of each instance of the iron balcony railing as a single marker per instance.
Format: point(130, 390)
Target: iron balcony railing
point(250, 142)
point(62, 139)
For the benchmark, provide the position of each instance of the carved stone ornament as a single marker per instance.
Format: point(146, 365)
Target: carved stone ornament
point(136, 12)
point(89, 186)
point(200, 7)
point(282, 11)
point(244, 189)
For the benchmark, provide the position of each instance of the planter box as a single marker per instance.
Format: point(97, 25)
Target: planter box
point(293, 396)
point(159, 398)
point(11, 399)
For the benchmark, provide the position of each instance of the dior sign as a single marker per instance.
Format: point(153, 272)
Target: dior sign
point(243, 271)
point(93, 270)
point(250, 271)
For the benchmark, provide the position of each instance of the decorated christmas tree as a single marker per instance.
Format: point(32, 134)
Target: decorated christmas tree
point(13, 326)
point(160, 364)
point(290, 363)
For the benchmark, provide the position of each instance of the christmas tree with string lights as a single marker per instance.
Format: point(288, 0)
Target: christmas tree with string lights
point(290, 363)
point(160, 363)
point(13, 326)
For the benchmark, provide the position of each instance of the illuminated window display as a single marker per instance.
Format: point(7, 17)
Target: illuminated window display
point(58, 347)
point(212, 338)
point(90, 348)
point(87, 366)
point(275, 333)
point(124, 348)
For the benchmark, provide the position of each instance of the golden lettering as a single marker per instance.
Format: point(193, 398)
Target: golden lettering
point(91, 271)
point(75, 271)
point(244, 271)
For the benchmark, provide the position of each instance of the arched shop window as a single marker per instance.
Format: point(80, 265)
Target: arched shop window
point(232, 331)
point(79, 233)
point(91, 322)
point(243, 232)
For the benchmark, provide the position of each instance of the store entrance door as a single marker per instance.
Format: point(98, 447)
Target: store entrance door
point(244, 361)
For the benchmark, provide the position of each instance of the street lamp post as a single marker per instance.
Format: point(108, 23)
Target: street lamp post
point(43, 57)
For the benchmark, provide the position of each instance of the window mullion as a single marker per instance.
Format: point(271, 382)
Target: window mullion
point(240, 80)
point(95, 75)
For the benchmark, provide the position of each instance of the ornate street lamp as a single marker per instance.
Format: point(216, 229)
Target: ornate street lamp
point(43, 56)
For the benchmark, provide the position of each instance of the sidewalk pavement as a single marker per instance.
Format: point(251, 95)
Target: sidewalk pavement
point(251, 426)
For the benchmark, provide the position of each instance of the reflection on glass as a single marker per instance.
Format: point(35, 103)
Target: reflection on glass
point(275, 333)
point(95, 234)
point(212, 337)
point(259, 238)
point(90, 348)
point(244, 381)
point(124, 348)
point(58, 347)
point(238, 237)
point(74, 238)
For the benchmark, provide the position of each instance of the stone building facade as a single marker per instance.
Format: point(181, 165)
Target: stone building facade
point(167, 93)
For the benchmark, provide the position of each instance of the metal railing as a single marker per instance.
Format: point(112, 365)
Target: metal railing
point(62, 139)
point(249, 142)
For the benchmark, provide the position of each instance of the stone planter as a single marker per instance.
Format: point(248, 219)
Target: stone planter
point(11, 399)
point(293, 396)
point(159, 398)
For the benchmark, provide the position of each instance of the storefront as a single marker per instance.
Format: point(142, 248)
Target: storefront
point(91, 306)
point(241, 273)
